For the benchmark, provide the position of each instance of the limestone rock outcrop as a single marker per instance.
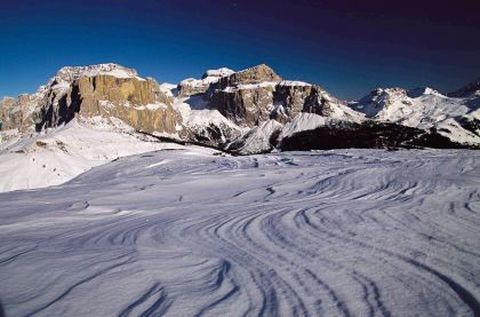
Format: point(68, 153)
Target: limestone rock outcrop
point(19, 113)
point(108, 91)
point(246, 105)
point(255, 95)
point(253, 75)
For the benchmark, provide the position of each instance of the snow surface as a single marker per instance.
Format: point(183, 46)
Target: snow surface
point(263, 84)
point(294, 83)
point(168, 89)
point(69, 73)
point(59, 156)
point(303, 122)
point(211, 76)
point(197, 117)
point(310, 121)
point(257, 140)
point(219, 72)
point(422, 108)
point(185, 233)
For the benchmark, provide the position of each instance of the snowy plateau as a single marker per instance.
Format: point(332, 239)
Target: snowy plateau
point(237, 194)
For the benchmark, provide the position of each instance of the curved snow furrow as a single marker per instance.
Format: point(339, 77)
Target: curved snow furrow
point(464, 294)
point(7, 257)
point(258, 250)
point(335, 233)
point(159, 306)
point(355, 275)
point(264, 278)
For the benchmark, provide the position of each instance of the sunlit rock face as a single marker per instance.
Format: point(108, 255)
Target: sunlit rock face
point(255, 95)
point(109, 91)
point(137, 102)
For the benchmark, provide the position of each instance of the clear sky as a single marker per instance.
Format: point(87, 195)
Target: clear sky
point(349, 47)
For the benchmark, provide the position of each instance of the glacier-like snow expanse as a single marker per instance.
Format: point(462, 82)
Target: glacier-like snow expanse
point(186, 233)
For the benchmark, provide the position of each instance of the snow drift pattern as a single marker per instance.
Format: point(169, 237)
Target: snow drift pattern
point(183, 233)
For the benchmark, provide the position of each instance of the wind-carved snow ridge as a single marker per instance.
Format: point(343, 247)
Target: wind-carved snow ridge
point(185, 233)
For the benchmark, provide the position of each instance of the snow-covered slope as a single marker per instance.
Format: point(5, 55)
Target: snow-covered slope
point(420, 108)
point(61, 154)
point(181, 233)
point(423, 108)
point(261, 139)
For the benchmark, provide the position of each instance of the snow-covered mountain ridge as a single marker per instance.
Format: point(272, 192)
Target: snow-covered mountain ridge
point(225, 107)
point(242, 112)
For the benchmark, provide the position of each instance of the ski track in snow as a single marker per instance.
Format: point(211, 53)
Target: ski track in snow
point(333, 233)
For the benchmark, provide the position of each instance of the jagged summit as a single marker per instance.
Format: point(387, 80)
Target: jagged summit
point(225, 78)
point(383, 99)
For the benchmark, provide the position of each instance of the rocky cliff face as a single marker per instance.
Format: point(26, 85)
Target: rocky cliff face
point(253, 75)
point(107, 91)
point(245, 97)
point(19, 113)
point(11, 115)
point(255, 95)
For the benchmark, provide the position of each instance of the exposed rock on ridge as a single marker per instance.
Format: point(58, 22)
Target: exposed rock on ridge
point(247, 112)
point(255, 95)
point(108, 91)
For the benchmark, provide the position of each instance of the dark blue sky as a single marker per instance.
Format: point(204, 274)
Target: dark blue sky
point(349, 47)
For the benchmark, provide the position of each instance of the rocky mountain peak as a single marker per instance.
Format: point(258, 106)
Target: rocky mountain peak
point(110, 91)
point(253, 75)
point(383, 96)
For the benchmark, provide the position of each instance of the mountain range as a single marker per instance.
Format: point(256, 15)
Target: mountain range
point(113, 111)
